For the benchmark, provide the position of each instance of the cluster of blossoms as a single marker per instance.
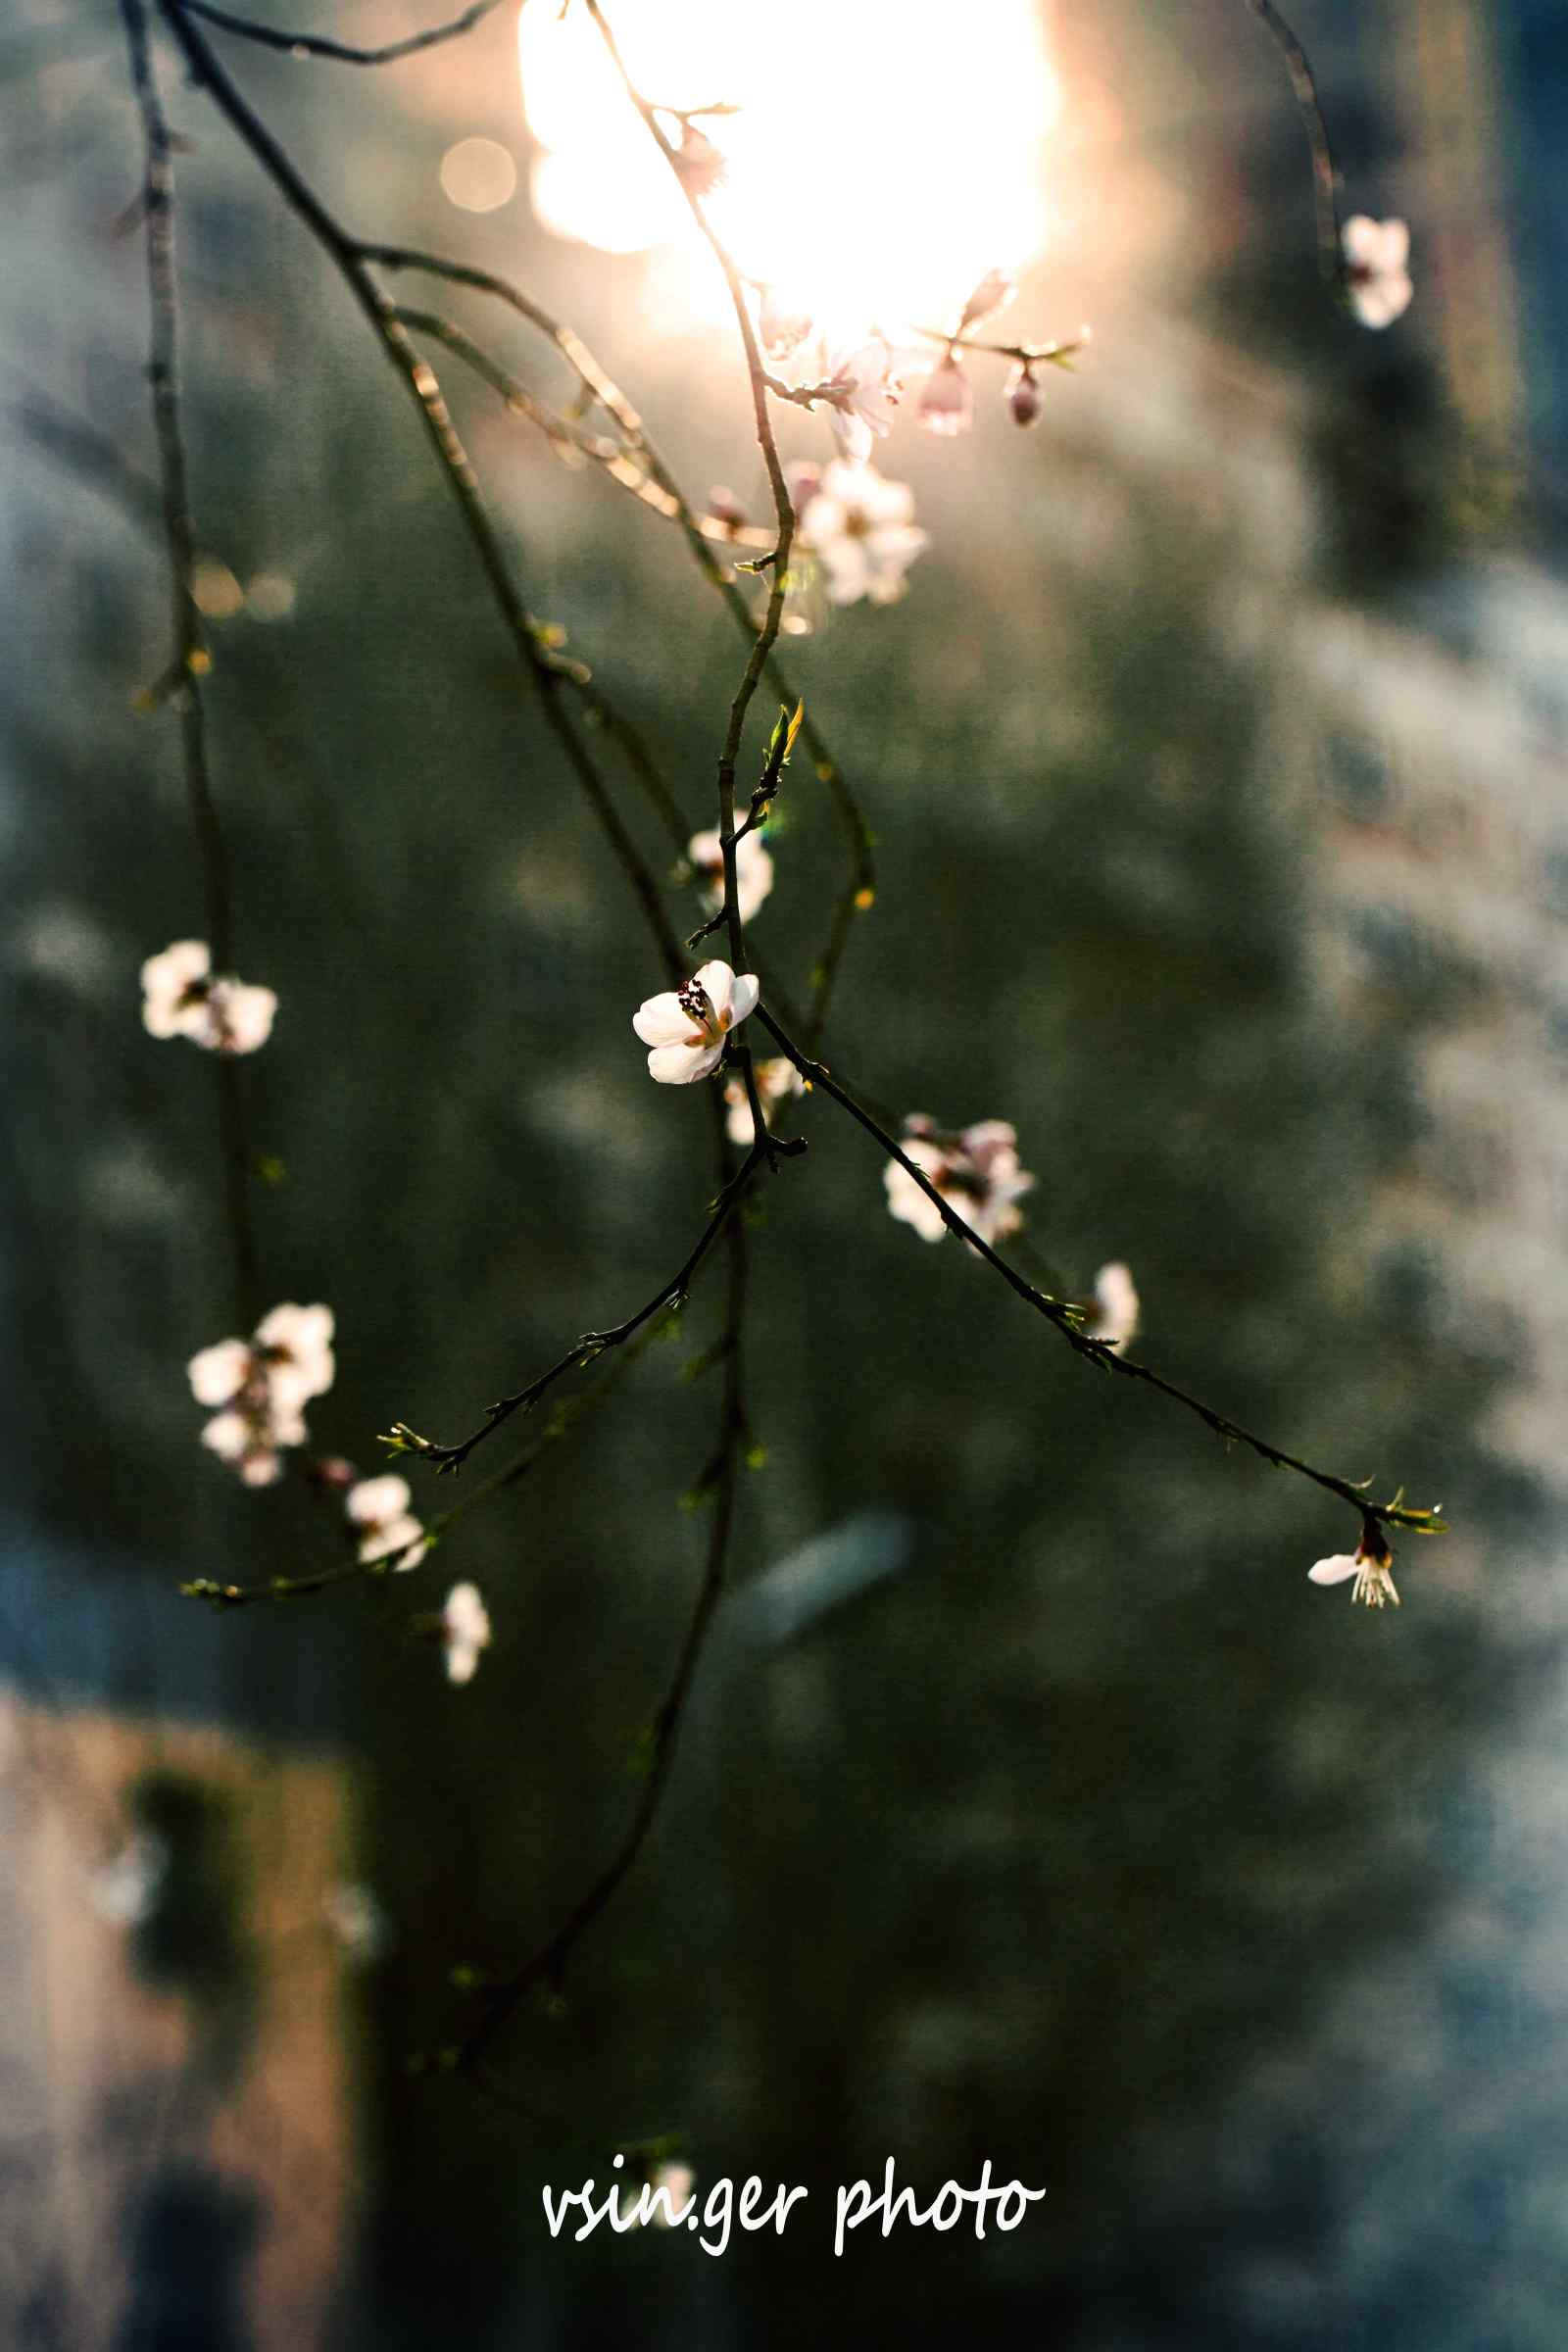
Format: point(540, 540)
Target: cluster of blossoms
point(975, 1170)
point(753, 870)
point(183, 996)
point(386, 1530)
point(1377, 271)
point(687, 1027)
point(260, 1387)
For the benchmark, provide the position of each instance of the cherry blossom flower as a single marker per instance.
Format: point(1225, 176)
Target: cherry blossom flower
point(864, 392)
point(1371, 1565)
point(1114, 1317)
point(947, 405)
point(295, 1343)
point(782, 324)
point(1023, 395)
point(687, 1027)
point(976, 1172)
point(181, 997)
point(700, 165)
point(859, 526)
point(754, 872)
point(464, 1631)
point(991, 296)
point(259, 1385)
point(380, 1508)
point(1377, 275)
point(776, 1082)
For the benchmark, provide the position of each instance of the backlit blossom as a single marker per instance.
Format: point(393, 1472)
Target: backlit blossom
point(380, 1508)
point(259, 1387)
point(465, 1631)
point(183, 998)
point(754, 872)
point(700, 165)
point(865, 393)
point(1114, 1317)
point(976, 1172)
point(991, 296)
point(947, 403)
point(861, 527)
point(776, 1081)
point(1377, 275)
point(782, 324)
point(1371, 1565)
point(687, 1027)
point(124, 1890)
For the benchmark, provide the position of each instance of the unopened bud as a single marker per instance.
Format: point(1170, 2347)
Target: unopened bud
point(1024, 396)
point(993, 294)
point(947, 405)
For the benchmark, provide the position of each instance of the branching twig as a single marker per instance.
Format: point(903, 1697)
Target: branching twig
point(547, 1966)
point(189, 661)
point(316, 44)
point(593, 1344)
point(1068, 1320)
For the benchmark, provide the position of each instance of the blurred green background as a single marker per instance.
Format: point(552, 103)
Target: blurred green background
point(1033, 1806)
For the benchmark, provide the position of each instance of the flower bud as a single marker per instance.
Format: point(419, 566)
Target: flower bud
point(947, 405)
point(1024, 396)
point(993, 294)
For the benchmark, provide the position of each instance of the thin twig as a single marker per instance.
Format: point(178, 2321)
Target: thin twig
point(547, 1965)
point(860, 887)
point(316, 44)
point(547, 676)
point(1067, 1320)
point(448, 1458)
point(190, 660)
point(1325, 172)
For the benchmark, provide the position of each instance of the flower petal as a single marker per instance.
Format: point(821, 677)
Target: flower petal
point(1335, 1570)
point(743, 1002)
point(664, 1021)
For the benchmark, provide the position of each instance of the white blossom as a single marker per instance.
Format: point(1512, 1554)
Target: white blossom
point(687, 1027)
point(947, 405)
point(754, 872)
point(776, 1081)
point(1377, 274)
point(783, 325)
point(865, 393)
point(296, 1345)
point(1114, 1314)
point(465, 1631)
point(663, 2211)
point(388, 1530)
point(976, 1172)
point(862, 528)
point(183, 998)
point(259, 1385)
point(1371, 1565)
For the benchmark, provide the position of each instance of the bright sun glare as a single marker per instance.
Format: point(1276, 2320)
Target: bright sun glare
point(885, 157)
